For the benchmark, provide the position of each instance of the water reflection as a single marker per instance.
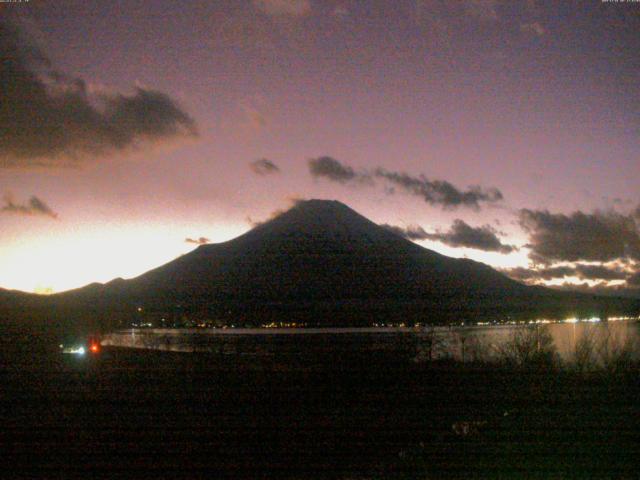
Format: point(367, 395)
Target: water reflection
point(466, 343)
point(566, 337)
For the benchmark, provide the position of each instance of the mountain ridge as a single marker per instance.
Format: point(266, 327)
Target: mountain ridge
point(322, 263)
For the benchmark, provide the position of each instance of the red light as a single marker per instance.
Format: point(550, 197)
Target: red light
point(95, 348)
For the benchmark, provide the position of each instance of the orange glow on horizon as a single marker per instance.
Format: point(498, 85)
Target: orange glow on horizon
point(68, 258)
point(63, 257)
point(517, 258)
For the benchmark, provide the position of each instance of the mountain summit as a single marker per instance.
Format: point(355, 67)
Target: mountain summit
point(322, 263)
point(316, 226)
point(319, 251)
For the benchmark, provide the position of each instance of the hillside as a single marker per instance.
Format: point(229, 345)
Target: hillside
point(321, 263)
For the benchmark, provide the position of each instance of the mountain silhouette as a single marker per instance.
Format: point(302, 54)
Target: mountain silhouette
point(322, 263)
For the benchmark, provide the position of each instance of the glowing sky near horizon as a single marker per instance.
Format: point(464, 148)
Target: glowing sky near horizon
point(537, 99)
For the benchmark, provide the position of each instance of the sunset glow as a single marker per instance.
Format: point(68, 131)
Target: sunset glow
point(505, 132)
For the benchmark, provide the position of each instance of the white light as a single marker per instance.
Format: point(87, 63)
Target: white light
point(571, 320)
point(76, 350)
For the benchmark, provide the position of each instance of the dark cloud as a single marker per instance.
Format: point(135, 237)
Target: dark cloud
point(411, 232)
point(331, 169)
point(50, 119)
point(33, 207)
point(460, 235)
point(434, 192)
point(599, 272)
point(581, 271)
point(600, 236)
point(481, 238)
point(634, 280)
point(440, 192)
point(601, 288)
point(198, 241)
point(264, 166)
point(530, 274)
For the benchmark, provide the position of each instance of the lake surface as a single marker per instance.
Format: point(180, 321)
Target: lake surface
point(470, 342)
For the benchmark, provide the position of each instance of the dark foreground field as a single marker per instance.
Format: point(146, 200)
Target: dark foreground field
point(159, 415)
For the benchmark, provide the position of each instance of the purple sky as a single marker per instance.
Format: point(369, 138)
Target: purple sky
point(536, 99)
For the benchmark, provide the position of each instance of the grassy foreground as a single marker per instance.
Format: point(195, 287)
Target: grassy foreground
point(330, 415)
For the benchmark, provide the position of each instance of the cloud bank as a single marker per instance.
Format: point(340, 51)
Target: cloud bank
point(459, 235)
point(599, 236)
point(481, 238)
point(440, 192)
point(51, 119)
point(332, 169)
point(581, 271)
point(602, 246)
point(434, 192)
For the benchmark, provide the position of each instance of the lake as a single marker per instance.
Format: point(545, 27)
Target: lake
point(470, 342)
